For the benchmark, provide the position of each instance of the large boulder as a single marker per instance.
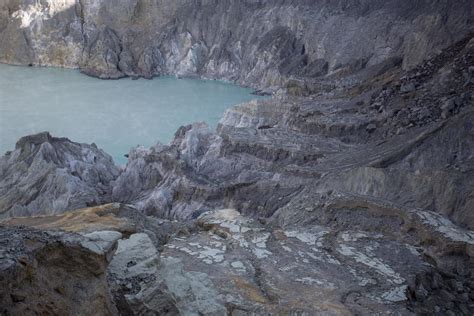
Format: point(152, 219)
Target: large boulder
point(135, 281)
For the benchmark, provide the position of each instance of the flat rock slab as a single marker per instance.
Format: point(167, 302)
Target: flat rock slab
point(253, 268)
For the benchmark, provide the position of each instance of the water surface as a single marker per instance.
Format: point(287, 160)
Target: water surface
point(115, 114)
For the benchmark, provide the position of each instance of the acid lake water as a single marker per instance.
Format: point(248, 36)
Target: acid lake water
point(115, 114)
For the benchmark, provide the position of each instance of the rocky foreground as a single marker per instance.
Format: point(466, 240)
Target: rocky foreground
point(350, 191)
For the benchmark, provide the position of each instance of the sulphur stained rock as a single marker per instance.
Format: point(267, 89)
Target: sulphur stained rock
point(109, 217)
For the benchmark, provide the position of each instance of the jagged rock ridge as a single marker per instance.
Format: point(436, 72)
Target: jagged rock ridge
point(47, 175)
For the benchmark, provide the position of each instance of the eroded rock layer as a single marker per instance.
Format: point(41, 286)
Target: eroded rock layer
point(54, 273)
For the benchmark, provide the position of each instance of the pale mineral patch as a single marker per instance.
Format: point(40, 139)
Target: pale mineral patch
point(306, 236)
point(398, 294)
point(238, 265)
point(446, 227)
point(372, 262)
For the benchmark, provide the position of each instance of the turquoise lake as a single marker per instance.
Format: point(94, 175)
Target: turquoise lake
point(115, 114)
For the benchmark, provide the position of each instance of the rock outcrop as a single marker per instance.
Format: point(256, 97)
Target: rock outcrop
point(135, 279)
point(54, 273)
point(59, 264)
point(255, 43)
point(49, 175)
point(107, 254)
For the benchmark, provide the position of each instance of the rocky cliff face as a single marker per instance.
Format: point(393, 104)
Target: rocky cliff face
point(350, 191)
point(54, 273)
point(255, 43)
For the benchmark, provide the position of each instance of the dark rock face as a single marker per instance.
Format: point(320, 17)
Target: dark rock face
point(48, 175)
point(442, 292)
point(53, 273)
point(256, 43)
point(100, 257)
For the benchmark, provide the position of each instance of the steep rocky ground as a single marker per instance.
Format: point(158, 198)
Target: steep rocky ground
point(411, 148)
point(350, 191)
